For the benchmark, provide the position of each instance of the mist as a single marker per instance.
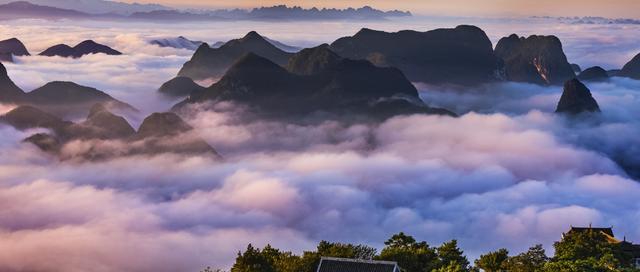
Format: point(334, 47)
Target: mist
point(508, 172)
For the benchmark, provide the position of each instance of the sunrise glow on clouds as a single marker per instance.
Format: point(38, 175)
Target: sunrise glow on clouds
point(507, 172)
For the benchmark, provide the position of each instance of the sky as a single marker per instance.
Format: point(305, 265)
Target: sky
point(611, 8)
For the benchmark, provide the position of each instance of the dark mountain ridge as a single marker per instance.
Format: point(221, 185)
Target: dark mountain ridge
point(209, 62)
point(576, 98)
point(462, 55)
point(632, 68)
point(9, 91)
point(180, 87)
point(180, 42)
point(12, 47)
point(58, 97)
point(159, 133)
point(535, 59)
point(345, 86)
point(595, 73)
point(83, 48)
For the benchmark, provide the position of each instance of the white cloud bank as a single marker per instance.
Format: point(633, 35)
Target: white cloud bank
point(507, 173)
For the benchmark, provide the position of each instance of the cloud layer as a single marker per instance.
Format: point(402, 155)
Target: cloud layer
point(507, 173)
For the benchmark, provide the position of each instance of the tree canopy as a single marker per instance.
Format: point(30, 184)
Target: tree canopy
point(588, 251)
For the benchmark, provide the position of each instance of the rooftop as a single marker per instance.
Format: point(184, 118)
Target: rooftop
point(328, 264)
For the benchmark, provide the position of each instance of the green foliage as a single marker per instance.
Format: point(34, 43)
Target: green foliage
point(493, 261)
point(410, 255)
point(589, 250)
point(450, 255)
point(577, 252)
point(582, 245)
point(253, 260)
point(346, 250)
point(270, 259)
point(530, 261)
point(451, 267)
point(583, 265)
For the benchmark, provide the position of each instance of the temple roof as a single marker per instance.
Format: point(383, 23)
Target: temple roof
point(607, 231)
point(328, 264)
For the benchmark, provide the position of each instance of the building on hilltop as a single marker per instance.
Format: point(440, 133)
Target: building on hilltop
point(628, 247)
point(329, 264)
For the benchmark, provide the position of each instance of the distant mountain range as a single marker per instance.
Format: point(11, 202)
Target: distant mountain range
point(101, 9)
point(591, 20)
point(297, 13)
point(96, 6)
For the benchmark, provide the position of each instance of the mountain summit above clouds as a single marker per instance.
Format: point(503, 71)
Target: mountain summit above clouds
point(84, 48)
point(461, 55)
point(61, 98)
point(209, 62)
point(536, 59)
point(9, 91)
point(12, 47)
point(576, 98)
point(317, 81)
point(178, 42)
point(632, 68)
point(109, 135)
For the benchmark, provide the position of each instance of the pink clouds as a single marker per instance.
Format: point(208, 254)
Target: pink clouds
point(506, 173)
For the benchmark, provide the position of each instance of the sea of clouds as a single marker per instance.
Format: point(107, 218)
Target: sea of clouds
point(507, 173)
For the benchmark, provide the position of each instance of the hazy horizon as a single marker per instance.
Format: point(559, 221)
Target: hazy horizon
point(489, 8)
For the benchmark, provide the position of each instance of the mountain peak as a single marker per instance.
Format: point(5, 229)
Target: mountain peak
point(84, 48)
point(632, 68)
point(365, 31)
point(595, 73)
point(162, 124)
point(9, 92)
point(536, 59)
point(313, 60)
point(253, 34)
point(14, 47)
point(26, 117)
point(576, 98)
point(209, 62)
point(107, 125)
point(252, 65)
point(180, 87)
point(87, 42)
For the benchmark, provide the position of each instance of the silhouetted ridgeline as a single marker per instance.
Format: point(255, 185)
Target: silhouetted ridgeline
point(318, 81)
point(98, 9)
point(280, 12)
point(462, 55)
point(580, 249)
point(84, 48)
point(208, 62)
point(159, 133)
point(62, 98)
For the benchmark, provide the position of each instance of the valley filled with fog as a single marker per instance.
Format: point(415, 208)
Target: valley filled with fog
point(508, 172)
